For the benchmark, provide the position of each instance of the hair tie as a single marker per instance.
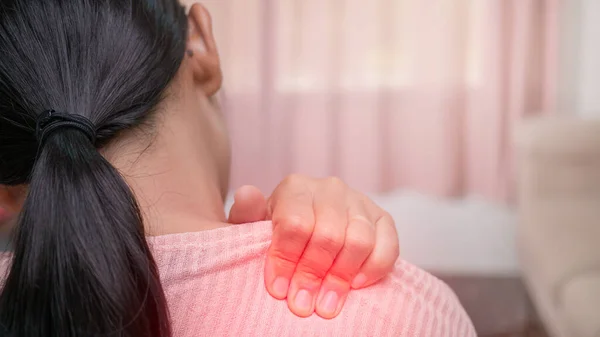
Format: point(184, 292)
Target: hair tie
point(50, 121)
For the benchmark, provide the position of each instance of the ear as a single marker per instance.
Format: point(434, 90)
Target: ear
point(202, 50)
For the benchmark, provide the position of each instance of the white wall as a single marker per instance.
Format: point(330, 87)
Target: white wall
point(579, 79)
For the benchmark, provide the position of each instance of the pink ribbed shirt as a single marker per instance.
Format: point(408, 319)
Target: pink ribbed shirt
point(214, 286)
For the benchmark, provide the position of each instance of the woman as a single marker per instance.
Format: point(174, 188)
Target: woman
point(297, 233)
point(107, 117)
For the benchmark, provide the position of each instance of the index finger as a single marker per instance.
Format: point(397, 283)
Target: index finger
point(293, 224)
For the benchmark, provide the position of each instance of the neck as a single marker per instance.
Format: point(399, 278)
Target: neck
point(173, 179)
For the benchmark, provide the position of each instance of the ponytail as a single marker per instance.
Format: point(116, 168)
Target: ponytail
point(81, 266)
point(81, 263)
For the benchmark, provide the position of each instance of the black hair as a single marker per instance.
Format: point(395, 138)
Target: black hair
point(81, 265)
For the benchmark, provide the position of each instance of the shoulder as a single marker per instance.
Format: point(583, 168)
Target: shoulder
point(412, 302)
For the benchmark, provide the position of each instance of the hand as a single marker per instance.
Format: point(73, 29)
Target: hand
point(327, 239)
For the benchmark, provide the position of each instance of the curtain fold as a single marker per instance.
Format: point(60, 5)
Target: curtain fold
point(386, 94)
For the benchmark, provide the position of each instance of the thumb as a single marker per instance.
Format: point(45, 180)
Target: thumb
point(249, 205)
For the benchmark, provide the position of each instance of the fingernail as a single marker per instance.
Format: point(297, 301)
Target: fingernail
point(280, 287)
point(329, 303)
point(359, 281)
point(303, 300)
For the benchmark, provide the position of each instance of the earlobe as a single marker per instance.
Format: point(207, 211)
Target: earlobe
point(202, 50)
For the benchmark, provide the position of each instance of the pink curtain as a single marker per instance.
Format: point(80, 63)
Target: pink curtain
point(384, 93)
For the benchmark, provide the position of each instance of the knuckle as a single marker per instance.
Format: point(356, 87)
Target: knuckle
point(342, 274)
point(294, 179)
point(329, 240)
point(313, 269)
point(386, 218)
point(336, 183)
point(294, 187)
point(361, 220)
point(295, 226)
point(359, 245)
point(285, 260)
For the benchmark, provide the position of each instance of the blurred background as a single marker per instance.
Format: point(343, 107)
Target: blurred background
point(386, 94)
point(475, 123)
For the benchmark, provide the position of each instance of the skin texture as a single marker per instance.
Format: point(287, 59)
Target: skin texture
point(327, 238)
